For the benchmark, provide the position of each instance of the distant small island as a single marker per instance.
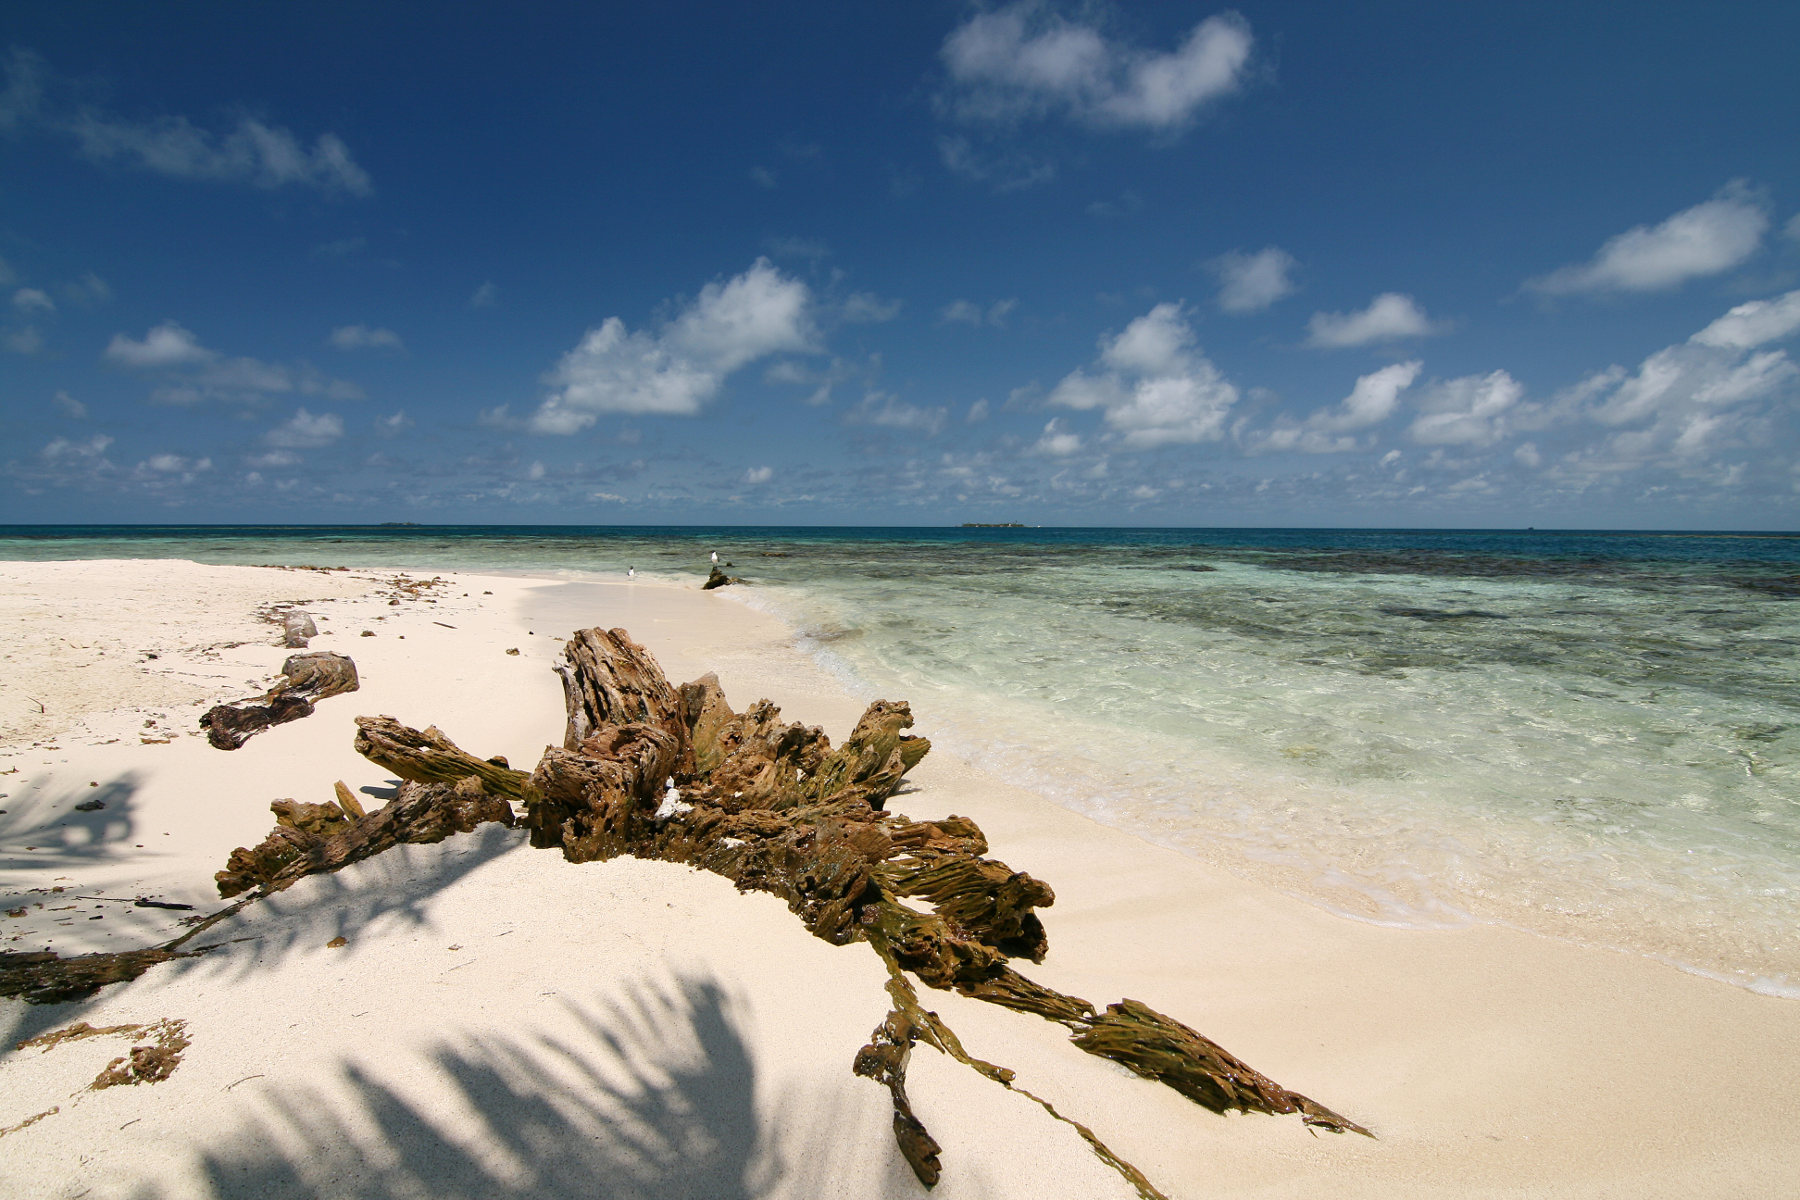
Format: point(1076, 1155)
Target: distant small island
point(993, 525)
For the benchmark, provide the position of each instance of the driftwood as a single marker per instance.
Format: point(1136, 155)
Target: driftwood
point(718, 579)
point(654, 771)
point(673, 773)
point(309, 839)
point(306, 679)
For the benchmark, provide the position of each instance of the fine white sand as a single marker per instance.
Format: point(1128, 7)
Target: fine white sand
point(500, 1022)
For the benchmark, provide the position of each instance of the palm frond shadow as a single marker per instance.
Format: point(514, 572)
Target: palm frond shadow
point(647, 1094)
point(64, 837)
point(395, 887)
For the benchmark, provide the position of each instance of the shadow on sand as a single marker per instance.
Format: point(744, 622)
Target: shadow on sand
point(649, 1093)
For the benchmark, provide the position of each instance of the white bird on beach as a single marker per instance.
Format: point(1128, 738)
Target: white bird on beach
point(715, 558)
point(631, 572)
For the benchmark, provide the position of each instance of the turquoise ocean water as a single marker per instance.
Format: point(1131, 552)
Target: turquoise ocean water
point(1593, 735)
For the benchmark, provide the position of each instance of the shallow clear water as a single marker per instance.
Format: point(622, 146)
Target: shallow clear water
point(1593, 735)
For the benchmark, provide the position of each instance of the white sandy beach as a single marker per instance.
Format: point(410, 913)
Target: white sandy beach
point(501, 1022)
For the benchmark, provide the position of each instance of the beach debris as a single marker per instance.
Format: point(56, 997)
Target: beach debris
point(655, 771)
point(152, 1062)
point(310, 839)
point(306, 679)
point(45, 977)
point(296, 628)
point(718, 579)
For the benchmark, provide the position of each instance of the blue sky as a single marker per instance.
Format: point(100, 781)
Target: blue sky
point(1148, 264)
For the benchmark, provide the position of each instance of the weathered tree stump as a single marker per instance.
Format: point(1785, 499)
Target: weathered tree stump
point(306, 679)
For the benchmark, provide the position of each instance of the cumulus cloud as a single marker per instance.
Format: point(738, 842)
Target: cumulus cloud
point(1252, 282)
point(889, 411)
point(195, 374)
point(22, 341)
point(305, 431)
point(1152, 384)
point(174, 464)
point(1469, 411)
point(759, 475)
point(363, 337)
point(967, 312)
point(88, 290)
point(1027, 61)
point(1373, 400)
point(676, 370)
point(69, 406)
point(32, 300)
point(1750, 325)
point(866, 308)
point(63, 450)
point(1704, 240)
point(166, 345)
point(251, 151)
point(1391, 316)
point(1057, 440)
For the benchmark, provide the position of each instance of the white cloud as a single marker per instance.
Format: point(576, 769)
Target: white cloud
point(536, 471)
point(304, 431)
point(89, 289)
point(175, 464)
point(252, 151)
point(1057, 441)
point(978, 411)
point(167, 345)
point(675, 371)
point(967, 312)
point(1468, 411)
point(69, 406)
point(275, 458)
point(484, 296)
point(1750, 325)
point(22, 341)
point(362, 337)
point(1791, 230)
point(63, 450)
point(1373, 400)
point(960, 312)
point(32, 300)
point(762, 177)
point(1154, 387)
point(889, 411)
point(393, 424)
point(1026, 61)
point(866, 308)
point(1706, 239)
point(759, 475)
point(1389, 317)
point(1252, 282)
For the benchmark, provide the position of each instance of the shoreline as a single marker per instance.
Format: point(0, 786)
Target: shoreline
point(1488, 1061)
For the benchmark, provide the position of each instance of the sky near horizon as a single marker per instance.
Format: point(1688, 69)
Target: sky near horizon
point(1385, 264)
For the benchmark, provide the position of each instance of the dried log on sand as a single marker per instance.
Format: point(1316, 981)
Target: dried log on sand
point(673, 773)
point(306, 679)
